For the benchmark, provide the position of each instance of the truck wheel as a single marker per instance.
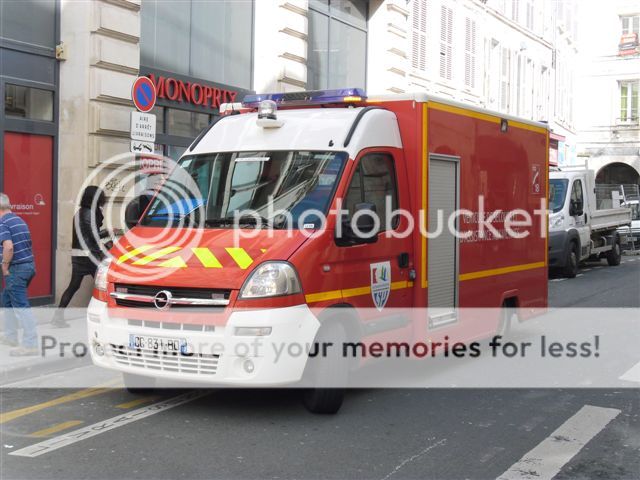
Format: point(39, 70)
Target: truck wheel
point(138, 384)
point(332, 369)
point(571, 265)
point(615, 254)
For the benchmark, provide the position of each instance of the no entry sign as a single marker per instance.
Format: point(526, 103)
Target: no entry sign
point(143, 94)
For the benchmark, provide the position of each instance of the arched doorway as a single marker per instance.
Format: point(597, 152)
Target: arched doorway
point(618, 174)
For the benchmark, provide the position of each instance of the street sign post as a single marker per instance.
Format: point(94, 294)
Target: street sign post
point(143, 94)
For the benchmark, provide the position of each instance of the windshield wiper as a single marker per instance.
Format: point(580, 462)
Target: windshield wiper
point(250, 220)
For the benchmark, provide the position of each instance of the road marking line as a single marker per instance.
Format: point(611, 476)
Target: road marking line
point(548, 457)
point(136, 402)
point(580, 275)
point(106, 425)
point(633, 374)
point(89, 392)
point(45, 432)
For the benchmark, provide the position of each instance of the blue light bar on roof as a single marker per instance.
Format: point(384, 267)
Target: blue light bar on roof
point(312, 97)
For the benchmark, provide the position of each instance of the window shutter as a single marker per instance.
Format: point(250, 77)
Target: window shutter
point(504, 79)
point(419, 35)
point(470, 53)
point(446, 41)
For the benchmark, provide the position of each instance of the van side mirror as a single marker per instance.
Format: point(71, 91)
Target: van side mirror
point(577, 208)
point(135, 209)
point(365, 228)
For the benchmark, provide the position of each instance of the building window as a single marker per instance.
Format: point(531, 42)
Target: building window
point(629, 101)
point(419, 35)
point(470, 48)
point(446, 42)
point(630, 24)
point(202, 39)
point(337, 44)
point(27, 102)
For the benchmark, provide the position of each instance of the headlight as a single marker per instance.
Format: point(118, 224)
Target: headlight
point(271, 279)
point(101, 275)
point(556, 221)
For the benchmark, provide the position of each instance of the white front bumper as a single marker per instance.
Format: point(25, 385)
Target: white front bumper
point(218, 357)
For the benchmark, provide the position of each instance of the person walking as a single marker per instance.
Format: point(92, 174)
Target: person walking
point(86, 252)
point(18, 269)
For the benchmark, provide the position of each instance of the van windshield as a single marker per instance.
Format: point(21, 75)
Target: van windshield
point(557, 193)
point(275, 187)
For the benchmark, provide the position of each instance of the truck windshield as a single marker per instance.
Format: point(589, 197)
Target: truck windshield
point(557, 192)
point(268, 184)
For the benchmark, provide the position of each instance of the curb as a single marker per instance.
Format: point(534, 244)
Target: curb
point(39, 368)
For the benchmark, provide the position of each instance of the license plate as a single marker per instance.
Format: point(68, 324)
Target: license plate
point(160, 344)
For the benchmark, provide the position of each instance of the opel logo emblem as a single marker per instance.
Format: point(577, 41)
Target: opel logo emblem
point(162, 300)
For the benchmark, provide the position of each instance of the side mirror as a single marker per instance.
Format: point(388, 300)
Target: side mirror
point(577, 209)
point(365, 227)
point(134, 211)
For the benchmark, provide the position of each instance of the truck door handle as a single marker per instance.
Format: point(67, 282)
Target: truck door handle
point(586, 218)
point(403, 260)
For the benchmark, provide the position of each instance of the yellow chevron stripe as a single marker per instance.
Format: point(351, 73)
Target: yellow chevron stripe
point(240, 256)
point(175, 262)
point(155, 255)
point(207, 258)
point(132, 253)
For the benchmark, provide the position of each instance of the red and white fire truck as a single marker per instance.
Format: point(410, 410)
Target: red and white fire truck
point(320, 152)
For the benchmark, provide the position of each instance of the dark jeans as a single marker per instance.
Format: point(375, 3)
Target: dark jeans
point(80, 266)
point(16, 304)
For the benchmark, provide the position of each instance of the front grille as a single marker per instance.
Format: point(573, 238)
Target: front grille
point(172, 325)
point(198, 363)
point(179, 292)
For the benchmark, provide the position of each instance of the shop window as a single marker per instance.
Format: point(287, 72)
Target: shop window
point(337, 46)
point(185, 124)
point(27, 102)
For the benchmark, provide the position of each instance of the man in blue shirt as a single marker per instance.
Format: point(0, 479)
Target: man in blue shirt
point(18, 270)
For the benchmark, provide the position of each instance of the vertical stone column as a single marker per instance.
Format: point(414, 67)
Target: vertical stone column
point(388, 59)
point(280, 45)
point(103, 58)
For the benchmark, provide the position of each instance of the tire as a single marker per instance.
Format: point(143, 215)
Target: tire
point(615, 254)
point(570, 269)
point(137, 384)
point(332, 369)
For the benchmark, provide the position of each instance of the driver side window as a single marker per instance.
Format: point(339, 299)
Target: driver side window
point(576, 193)
point(373, 182)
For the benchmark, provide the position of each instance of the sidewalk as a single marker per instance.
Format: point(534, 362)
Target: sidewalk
point(50, 340)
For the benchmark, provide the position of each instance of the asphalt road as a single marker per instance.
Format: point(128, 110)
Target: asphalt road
point(380, 434)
